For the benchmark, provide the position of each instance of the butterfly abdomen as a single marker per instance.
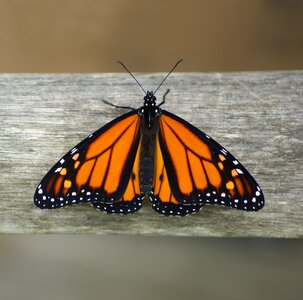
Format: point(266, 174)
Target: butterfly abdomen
point(147, 157)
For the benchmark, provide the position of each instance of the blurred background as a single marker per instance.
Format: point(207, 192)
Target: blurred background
point(149, 36)
point(73, 267)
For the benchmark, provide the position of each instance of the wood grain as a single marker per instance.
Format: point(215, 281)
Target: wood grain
point(256, 115)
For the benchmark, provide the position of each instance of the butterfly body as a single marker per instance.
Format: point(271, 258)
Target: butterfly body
point(149, 152)
point(146, 167)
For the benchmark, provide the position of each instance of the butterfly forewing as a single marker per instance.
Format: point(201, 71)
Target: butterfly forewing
point(199, 170)
point(101, 170)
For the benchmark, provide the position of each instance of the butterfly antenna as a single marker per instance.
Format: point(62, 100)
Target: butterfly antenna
point(180, 60)
point(122, 64)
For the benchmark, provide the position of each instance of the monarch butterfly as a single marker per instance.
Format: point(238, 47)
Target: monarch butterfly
point(149, 151)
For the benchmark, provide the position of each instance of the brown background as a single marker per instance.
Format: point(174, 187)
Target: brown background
point(89, 36)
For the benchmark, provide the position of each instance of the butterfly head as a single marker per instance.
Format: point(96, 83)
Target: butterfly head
point(149, 98)
point(149, 110)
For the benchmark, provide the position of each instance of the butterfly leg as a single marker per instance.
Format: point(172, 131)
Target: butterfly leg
point(118, 106)
point(163, 101)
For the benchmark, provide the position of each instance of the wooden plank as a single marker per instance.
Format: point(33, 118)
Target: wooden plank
point(256, 115)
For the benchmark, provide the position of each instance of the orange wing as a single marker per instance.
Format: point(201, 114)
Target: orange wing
point(102, 169)
point(161, 196)
point(191, 169)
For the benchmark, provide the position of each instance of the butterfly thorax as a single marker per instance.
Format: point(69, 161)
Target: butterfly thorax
point(149, 110)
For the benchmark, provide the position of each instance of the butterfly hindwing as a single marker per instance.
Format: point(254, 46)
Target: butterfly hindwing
point(131, 200)
point(200, 171)
point(161, 195)
point(99, 170)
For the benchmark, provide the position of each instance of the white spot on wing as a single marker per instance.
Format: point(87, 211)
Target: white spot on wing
point(223, 151)
point(239, 171)
point(58, 169)
point(73, 150)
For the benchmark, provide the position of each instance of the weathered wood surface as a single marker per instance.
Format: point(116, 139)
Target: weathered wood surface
point(256, 115)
